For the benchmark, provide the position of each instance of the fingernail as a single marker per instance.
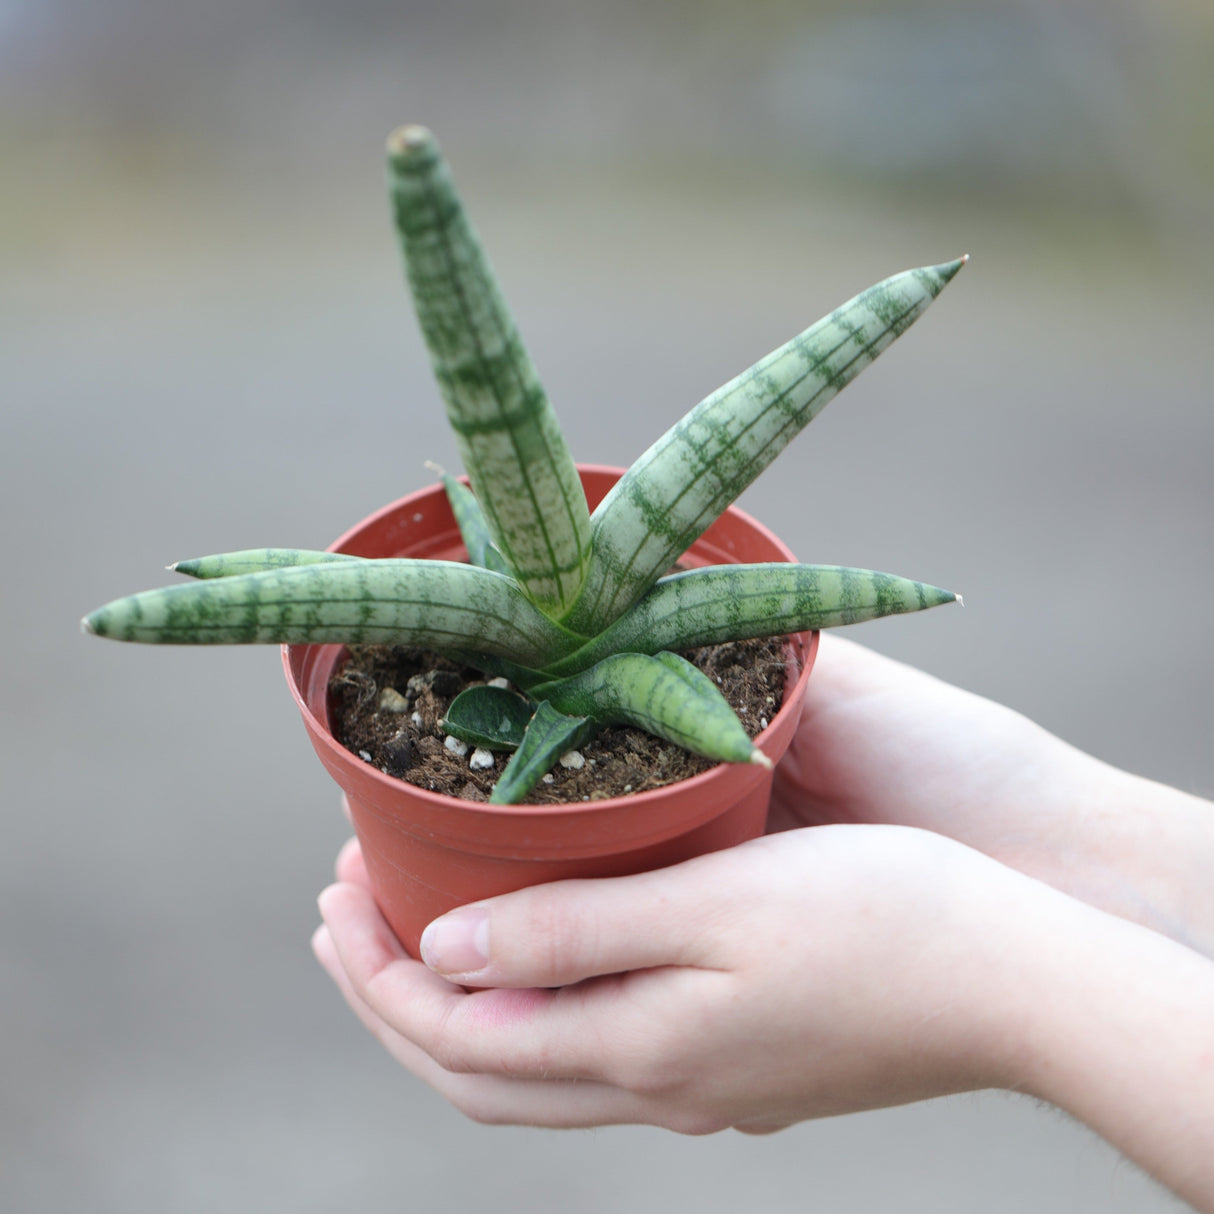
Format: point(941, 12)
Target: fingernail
point(458, 943)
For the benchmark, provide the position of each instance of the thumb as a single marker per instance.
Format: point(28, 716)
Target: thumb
point(558, 934)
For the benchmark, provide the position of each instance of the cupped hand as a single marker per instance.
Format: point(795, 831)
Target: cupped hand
point(804, 974)
point(881, 742)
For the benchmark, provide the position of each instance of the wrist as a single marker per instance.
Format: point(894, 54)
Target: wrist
point(1142, 851)
point(1113, 1024)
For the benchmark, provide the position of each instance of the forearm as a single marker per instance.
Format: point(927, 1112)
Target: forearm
point(1116, 1024)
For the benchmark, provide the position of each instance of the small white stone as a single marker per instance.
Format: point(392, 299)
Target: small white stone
point(573, 759)
point(390, 700)
point(365, 756)
point(416, 718)
point(762, 722)
point(547, 778)
point(499, 682)
point(455, 745)
point(481, 759)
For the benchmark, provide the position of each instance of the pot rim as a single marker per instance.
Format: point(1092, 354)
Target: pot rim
point(804, 644)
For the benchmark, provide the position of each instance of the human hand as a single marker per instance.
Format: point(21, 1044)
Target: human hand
point(880, 742)
point(811, 973)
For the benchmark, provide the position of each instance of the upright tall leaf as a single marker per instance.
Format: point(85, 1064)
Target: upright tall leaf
point(521, 471)
point(685, 481)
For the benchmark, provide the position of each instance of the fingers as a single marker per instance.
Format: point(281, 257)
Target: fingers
point(493, 1099)
point(560, 934)
point(351, 868)
point(516, 1033)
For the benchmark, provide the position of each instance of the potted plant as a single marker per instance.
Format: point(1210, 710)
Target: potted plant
point(555, 582)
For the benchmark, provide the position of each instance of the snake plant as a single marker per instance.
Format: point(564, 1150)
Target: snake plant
point(579, 611)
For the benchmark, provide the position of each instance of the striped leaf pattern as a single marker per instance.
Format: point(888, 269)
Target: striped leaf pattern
point(664, 695)
point(513, 450)
point(684, 482)
point(736, 602)
point(437, 604)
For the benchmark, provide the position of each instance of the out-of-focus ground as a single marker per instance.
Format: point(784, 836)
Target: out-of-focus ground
point(206, 345)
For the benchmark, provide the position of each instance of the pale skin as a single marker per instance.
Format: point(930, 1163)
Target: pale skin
point(976, 905)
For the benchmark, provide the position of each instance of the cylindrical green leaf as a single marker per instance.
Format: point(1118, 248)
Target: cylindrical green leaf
point(685, 481)
point(521, 471)
point(473, 529)
point(256, 560)
point(664, 695)
point(438, 604)
point(737, 602)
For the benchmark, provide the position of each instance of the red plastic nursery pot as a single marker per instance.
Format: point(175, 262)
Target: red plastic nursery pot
point(427, 853)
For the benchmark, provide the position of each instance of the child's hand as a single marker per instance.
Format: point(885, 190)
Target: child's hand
point(805, 974)
point(880, 742)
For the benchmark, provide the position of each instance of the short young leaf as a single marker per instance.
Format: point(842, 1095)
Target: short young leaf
point(492, 717)
point(550, 734)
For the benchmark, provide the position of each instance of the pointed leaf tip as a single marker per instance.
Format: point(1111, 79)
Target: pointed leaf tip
point(760, 759)
point(410, 141)
point(948, 270)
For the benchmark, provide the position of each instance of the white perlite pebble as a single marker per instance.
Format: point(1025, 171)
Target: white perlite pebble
point(762, 722)
point(365, 756)
point(455, 745)
point(573, 759)
point(481, 759)
point(499, 682)
point(416, 718)
point(548, 778)
point(390, 700)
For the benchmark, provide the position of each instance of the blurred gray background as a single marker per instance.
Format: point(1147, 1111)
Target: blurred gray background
point(206, 345)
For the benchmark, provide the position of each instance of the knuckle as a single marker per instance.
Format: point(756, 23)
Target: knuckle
point(534, 1061)
point(671, 1058)
point(652, 1069)
point(696, 1123)
point(477, 1107)
point(554, 932)
point(449, 1049)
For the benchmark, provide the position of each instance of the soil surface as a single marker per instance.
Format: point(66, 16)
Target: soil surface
point(386, 703)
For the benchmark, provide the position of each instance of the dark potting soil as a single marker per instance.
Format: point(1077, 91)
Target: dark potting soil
point(386, 702)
